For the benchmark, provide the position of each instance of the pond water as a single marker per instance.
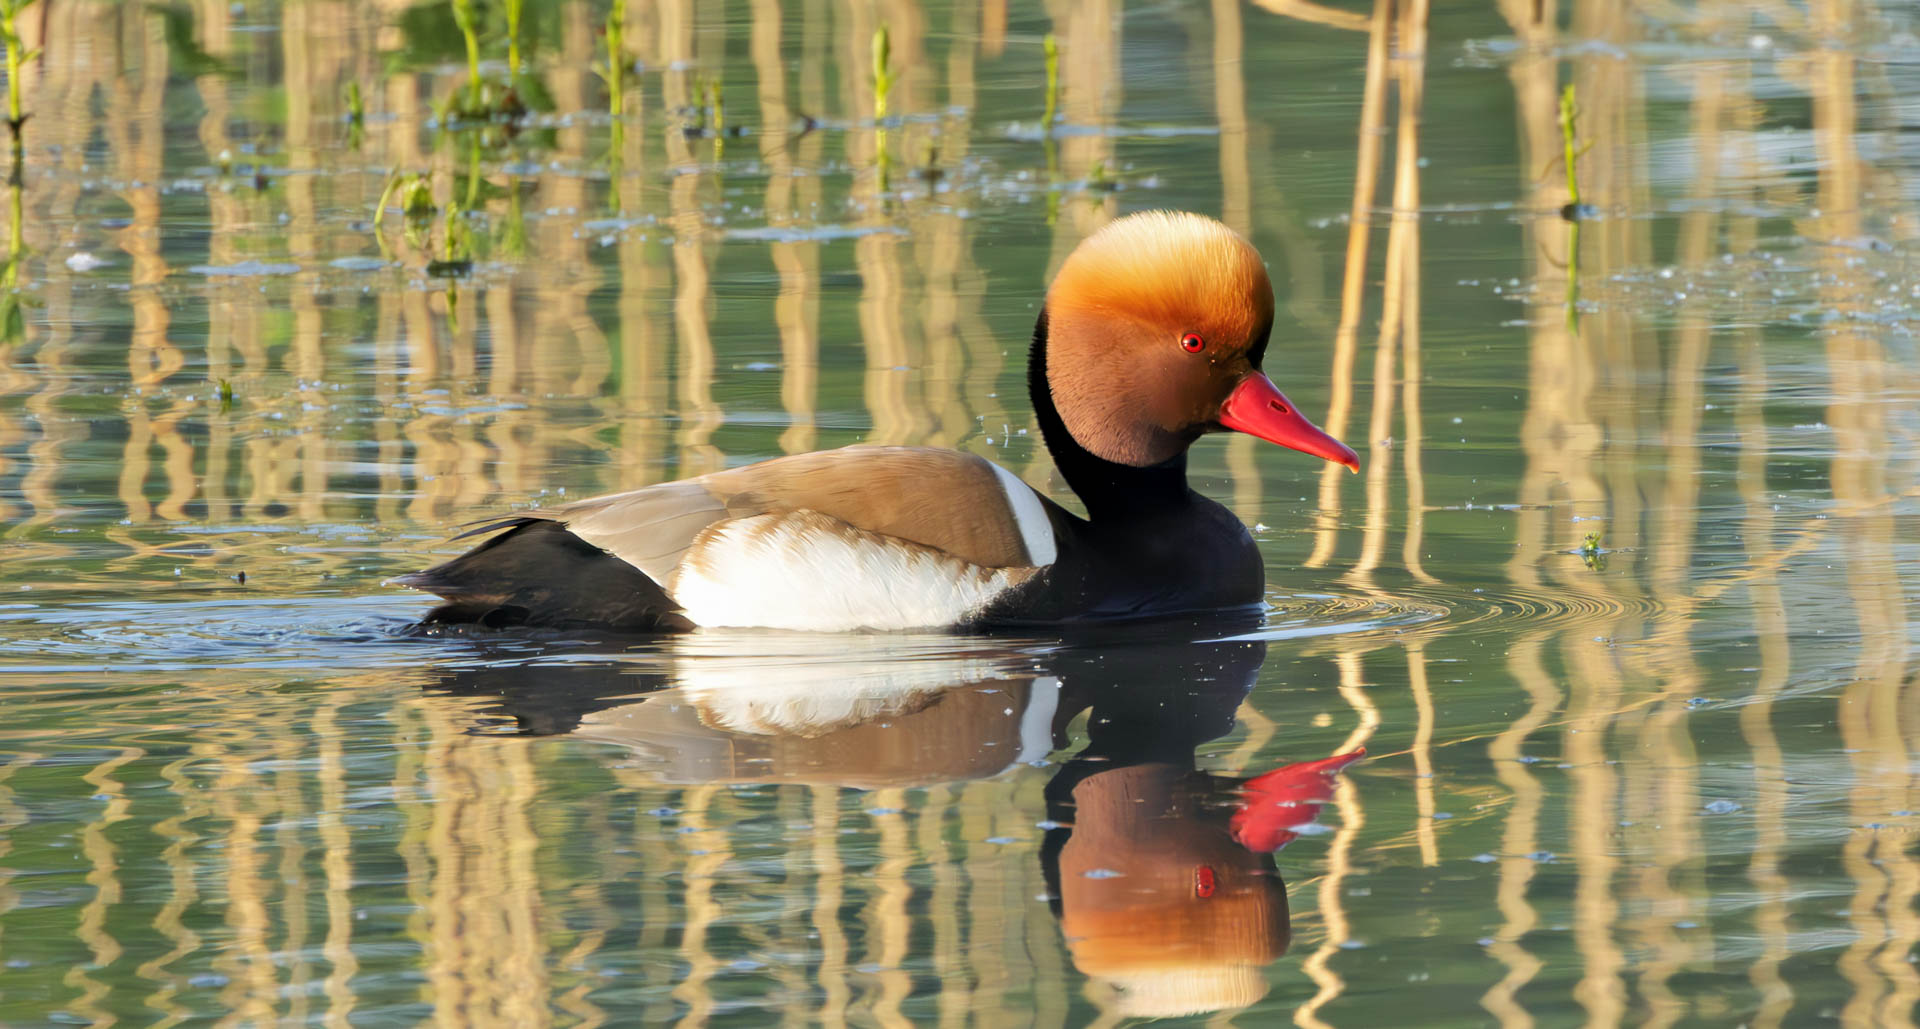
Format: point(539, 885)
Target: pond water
point(1619, 607)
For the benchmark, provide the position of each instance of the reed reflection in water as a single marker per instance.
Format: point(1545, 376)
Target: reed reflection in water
point(1620, 609)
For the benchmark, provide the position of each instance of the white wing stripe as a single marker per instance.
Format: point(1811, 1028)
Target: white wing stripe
point(1035, 530)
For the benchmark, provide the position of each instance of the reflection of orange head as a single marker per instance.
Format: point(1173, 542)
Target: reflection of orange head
point(1159, 901)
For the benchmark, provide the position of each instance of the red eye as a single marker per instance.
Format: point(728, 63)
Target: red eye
point(1203, 885)
point(1192, 343)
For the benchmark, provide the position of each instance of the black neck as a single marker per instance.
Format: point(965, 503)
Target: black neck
point(1110, 490)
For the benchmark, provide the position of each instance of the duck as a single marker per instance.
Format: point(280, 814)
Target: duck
point(1152, 334)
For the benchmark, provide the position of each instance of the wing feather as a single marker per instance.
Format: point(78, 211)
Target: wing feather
point(944, 500)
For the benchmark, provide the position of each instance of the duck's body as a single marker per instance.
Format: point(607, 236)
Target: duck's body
point(883, 538)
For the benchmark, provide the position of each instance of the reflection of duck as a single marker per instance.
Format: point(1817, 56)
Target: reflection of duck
point(1152, 335)
point(862, 711)
point(1162, 875)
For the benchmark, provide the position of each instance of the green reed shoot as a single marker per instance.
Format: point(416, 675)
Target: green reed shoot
point(616, 71)
point(456, 244)
point(717, 106)
point(456, 248)
point(882, 85)
point(1569, 115)
point(416, 204)
point(1052, 48)
point(380, 212)
point(615, 75)
point(463, 16)
point(514, 8)
point(225, 393)
point(16, 241)
point(13, 301)
point(17, 55)
point(356, 115)
point(513, 233)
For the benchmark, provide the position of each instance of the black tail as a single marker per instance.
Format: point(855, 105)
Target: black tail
point(538, 573)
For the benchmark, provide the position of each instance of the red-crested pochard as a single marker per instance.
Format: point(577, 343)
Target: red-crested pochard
point(1152, 335)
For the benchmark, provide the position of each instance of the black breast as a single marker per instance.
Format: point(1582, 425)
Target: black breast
point(1190, 556)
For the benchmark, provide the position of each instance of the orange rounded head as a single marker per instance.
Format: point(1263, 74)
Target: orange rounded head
point(1156, 326)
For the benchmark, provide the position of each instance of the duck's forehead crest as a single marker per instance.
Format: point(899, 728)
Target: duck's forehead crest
point(1179, 271)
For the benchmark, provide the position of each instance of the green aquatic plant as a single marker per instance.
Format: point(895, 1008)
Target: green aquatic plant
point(513, 229)
point(18, 54)
point(614, 74)
point(1590, 553)
point(1099, 182)
point(13, 299)
point(416, 199)
point(464, 19)
point(1569, 112)
point(1051, 47)
point(416, 206)
point(514, 9)
point(13, 309)
point(615, 71)
point(356, 115)
point(882, 85)
point(717, 109)
point(1574, 212)
point(930, 170)
point(225, 394)
point(380, 212)
point(183, 49)
point(456, 246)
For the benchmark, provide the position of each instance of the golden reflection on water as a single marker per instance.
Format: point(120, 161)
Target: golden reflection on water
point(898, 891)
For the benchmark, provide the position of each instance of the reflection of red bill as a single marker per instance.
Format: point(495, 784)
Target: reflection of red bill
point(1278, 803)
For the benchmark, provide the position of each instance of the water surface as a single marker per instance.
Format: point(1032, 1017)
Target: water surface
point(1619, 607)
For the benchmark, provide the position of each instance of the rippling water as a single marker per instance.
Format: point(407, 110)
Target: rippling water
point(1619, 609)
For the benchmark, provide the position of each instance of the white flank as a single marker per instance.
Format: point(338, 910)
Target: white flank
point(807, 571)
point(1035, 530)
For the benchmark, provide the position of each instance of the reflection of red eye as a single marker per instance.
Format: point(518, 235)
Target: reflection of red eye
point(1192, 343)
point(1203, 879)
